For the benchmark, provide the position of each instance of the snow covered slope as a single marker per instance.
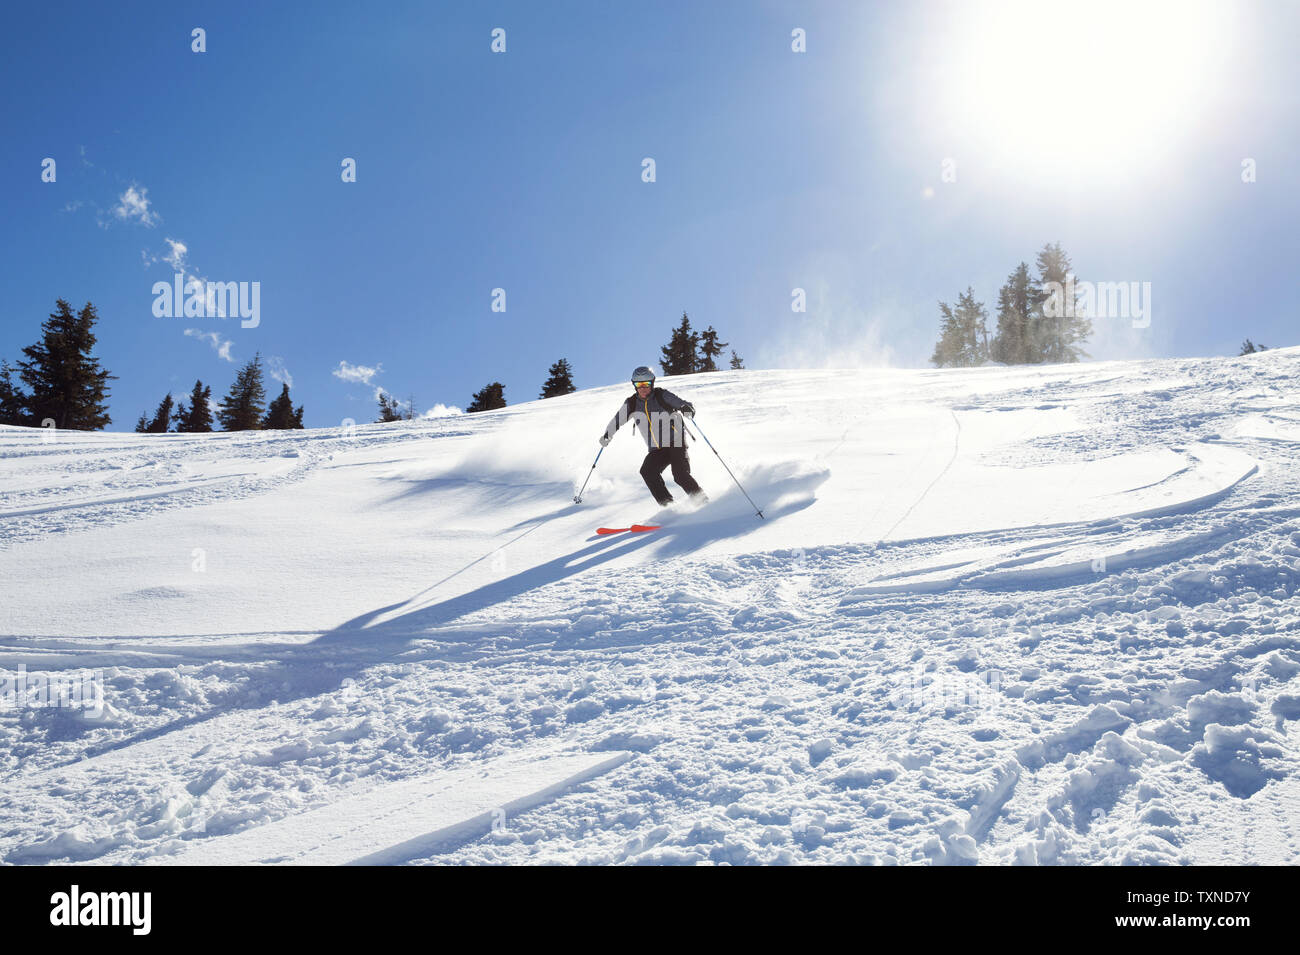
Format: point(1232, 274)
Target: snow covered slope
point(1001, 615)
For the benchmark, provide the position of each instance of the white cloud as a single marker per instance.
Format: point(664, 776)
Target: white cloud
point(134, 204)
point(275, 368)
point(358, 373)
point(175, 257)
point(221, 345)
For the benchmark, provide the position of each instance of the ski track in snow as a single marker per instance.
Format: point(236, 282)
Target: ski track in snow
point(838, 684)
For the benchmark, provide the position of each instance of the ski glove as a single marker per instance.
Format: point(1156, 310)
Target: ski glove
point(604, 440)
point(688, 410)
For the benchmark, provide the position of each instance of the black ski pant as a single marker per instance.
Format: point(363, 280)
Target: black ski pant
point(652, 469)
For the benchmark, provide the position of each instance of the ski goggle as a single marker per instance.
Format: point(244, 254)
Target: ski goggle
point(643, 384)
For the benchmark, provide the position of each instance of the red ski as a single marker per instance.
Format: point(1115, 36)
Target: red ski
point(635, 529)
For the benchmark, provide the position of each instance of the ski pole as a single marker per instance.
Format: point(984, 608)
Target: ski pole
point(756, 508)
point(577, 498)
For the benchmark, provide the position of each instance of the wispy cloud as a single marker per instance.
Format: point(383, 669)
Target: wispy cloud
point(175, 256)
point(222, 345)
point(134, 204)
point(362, 374)
point(275, 368)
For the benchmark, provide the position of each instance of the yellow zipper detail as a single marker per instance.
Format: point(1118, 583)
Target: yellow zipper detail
point(648, 423)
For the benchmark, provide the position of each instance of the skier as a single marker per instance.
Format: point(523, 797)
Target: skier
point(658, 414)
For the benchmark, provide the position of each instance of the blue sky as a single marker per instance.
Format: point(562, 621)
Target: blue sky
point(909, 152)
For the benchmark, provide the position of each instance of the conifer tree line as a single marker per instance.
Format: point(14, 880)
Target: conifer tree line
point(559, 381)
point(60, 381)
point(243, 409)
point(390, 409)
point(65, 384)
point(1034, 325)
point(690, 352)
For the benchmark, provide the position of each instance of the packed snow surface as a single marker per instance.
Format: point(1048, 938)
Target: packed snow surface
point(1033, 615)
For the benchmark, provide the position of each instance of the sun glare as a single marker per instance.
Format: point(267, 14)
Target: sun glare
point(1081, 86)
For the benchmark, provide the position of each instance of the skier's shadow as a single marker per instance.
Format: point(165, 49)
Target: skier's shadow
point(391, 628)
point(401, 626)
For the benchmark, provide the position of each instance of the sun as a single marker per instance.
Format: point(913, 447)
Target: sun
point(1081, 86)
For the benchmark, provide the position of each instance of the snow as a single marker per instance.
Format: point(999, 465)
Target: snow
point(1042, 615)
point(397, 821)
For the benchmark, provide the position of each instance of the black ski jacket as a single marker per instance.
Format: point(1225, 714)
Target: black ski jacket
point(658, 418)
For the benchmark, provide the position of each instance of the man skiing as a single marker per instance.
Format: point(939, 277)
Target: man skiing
point(659, 416)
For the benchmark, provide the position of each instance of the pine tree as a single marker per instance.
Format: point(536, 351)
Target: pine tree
point(1060, 329)
point(13, 403)
point(1249, 348)
point(162, 418)
point(281, 416)
point(947, 350)
point(710, 348)
point(963, 335)
point(492, 396)
point(975, 329)
point(142, 425)
point(736, 361)
point(197, 418)
point(67, 385)
point(243, 407)
point(1013, 344)
point(388, 410)
point(409, 413)
point(560, 381)
point(679, 355)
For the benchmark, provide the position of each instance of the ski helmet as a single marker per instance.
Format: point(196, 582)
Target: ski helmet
point(643, 374)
